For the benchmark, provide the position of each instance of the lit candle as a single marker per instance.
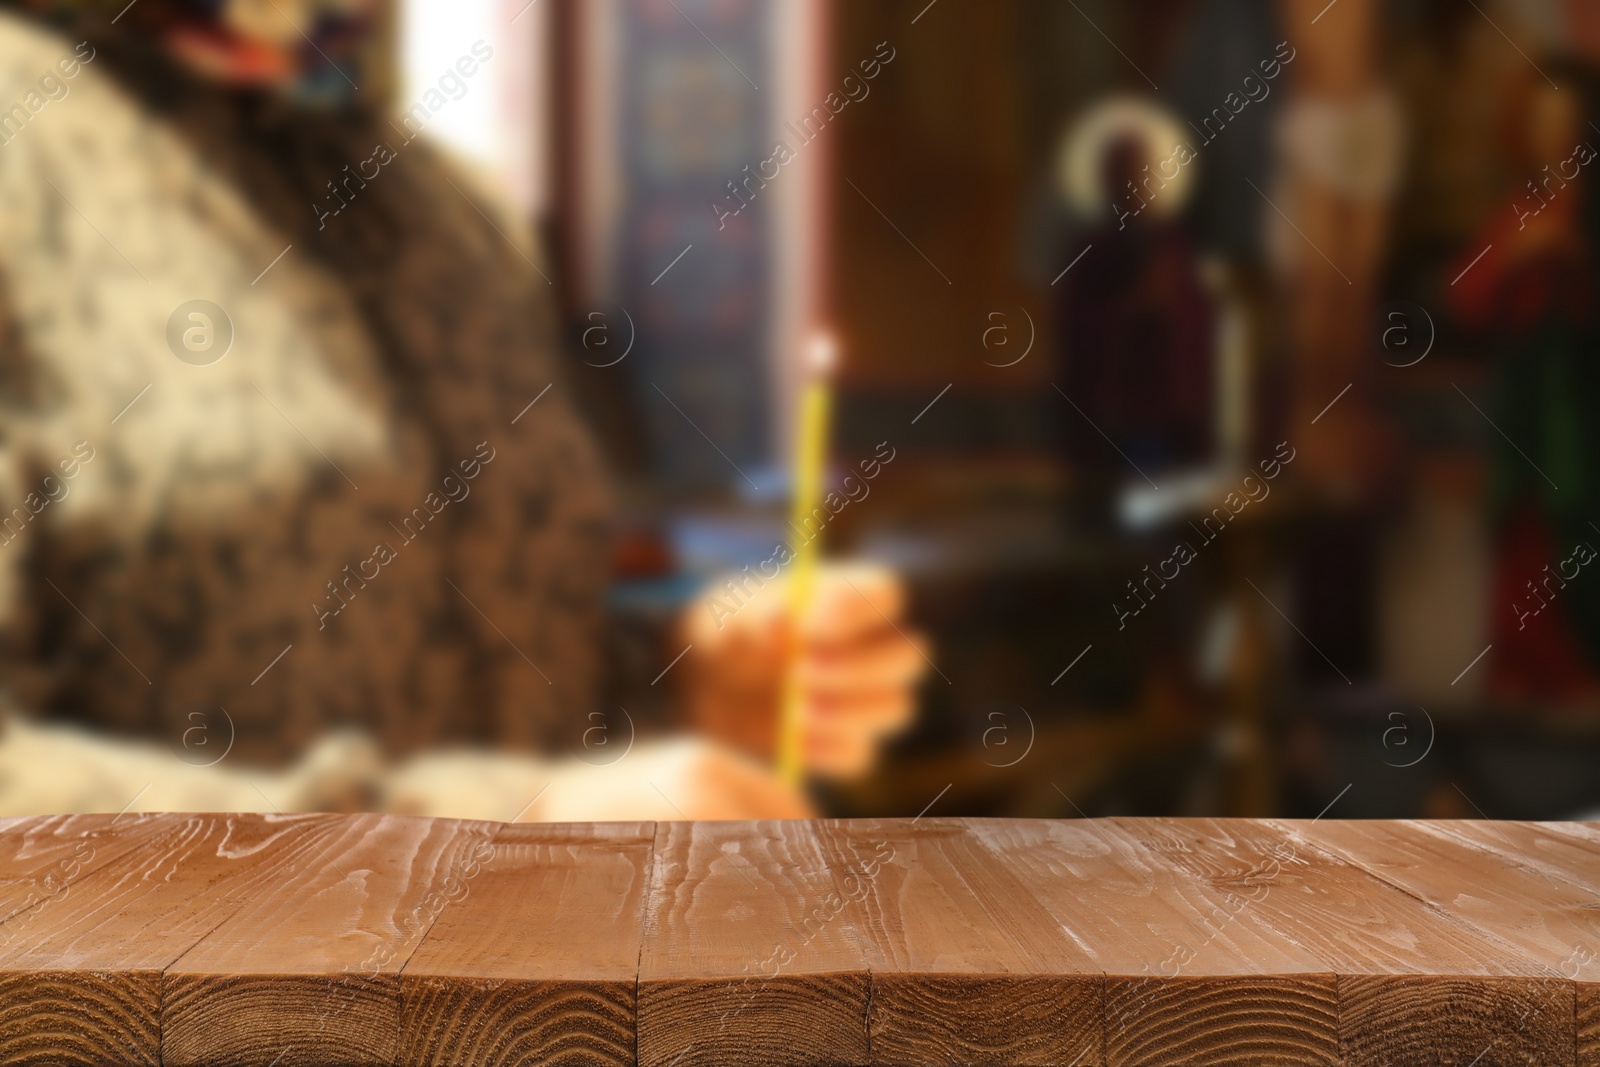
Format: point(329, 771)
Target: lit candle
point(810, 462)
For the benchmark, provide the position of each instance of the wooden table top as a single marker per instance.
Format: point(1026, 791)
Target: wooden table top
point(378, 939)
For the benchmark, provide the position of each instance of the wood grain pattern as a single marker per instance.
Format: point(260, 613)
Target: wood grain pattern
point(1587, 1025)
point(752, 953)
point(1455, 1022)
point(1395, 955)
point(41, 856)
point(1188, 980)
point(82, 982)
point(1548, 921)
point(313, 966)
point(44, 863)
point(1556, 853)
point(541, 968)
point(965, 966)
point(322, 940)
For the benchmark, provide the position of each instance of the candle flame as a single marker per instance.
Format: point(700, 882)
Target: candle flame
point(822, 354)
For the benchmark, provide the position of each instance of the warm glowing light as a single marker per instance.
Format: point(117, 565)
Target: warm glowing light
point(822, 354)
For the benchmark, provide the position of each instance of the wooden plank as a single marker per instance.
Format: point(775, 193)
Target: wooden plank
point(1551, 922)
point(1187, 982)
point(965, 966)
point(40, 856)
point(1554, 851)
point(313, 966)
point(1567, 851)
point(224, 939)
point(83, 985)
point(751, 953)
point(44, 862)
point(1463, 992)
point(537, 958)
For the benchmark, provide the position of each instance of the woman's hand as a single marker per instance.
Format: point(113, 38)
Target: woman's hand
point(858, 664)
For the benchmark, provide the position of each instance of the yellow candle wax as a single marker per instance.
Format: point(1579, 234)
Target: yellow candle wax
point(810, 462)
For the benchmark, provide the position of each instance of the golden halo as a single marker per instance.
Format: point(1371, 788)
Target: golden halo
point(1083, 148)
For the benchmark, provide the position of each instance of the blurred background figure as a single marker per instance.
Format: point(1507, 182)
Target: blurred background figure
point(1143, 350)
point(1533, 309)
point(288, 355)
point(401, 405)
